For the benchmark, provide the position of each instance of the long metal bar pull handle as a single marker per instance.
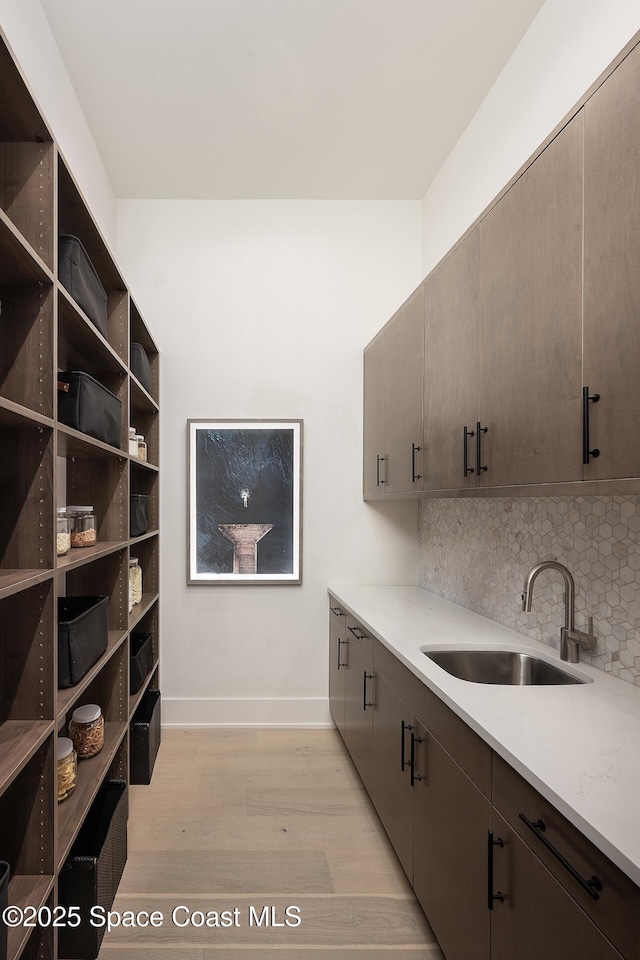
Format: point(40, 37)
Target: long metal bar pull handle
point(340, 642)
point(403, 728)
point(337, 611)
point(591, 886)
point(379, 460)
point(467, 468)
point(412, 761)
point(366, 676)
point(586, 452)
point(479, 431)
point(414, 476)
point(491, 896)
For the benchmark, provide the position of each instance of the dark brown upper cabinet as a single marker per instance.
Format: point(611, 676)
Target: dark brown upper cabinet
point(611, 273)
point(529, 398)
point(403, 397)
point(452, 377)
point(374, 459)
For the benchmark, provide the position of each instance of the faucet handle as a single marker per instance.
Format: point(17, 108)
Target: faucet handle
point(524, 602)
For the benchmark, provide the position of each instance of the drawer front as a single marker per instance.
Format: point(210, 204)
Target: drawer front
point(466, 747)
point(617, 910)
point(356, 632)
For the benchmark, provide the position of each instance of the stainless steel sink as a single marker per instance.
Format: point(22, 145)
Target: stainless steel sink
point(500, 666)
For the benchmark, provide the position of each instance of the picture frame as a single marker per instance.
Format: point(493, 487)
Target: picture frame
point(244, 509)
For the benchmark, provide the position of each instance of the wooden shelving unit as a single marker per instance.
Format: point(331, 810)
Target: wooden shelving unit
point(46, 464)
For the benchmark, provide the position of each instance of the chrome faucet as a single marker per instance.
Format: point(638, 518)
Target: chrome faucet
point(570, 638)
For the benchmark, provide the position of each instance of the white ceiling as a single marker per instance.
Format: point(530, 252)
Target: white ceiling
point(359, 99)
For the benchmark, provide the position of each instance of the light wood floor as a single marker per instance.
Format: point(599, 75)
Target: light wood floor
point(246, 817)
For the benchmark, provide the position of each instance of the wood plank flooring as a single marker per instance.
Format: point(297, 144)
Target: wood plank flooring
point(241, 818)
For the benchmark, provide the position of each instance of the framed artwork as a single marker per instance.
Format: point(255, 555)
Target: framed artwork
point(245, 501)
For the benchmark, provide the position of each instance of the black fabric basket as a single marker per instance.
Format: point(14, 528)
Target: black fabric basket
point(146, 734)
point(83, 634)
point(140, 659)
point(78, 276)
point(140, 366)
point(4, 903)
point(93, 869)
point(89, 407)
point(138, 514)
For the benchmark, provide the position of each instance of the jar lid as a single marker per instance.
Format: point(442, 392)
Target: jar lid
point(133, 562)
point(87, 714)
point(64, 748)
point(85, 509)
point(138, 436)
point(132, 431)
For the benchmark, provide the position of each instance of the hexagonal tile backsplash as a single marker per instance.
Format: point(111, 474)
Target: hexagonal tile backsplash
point(478, 552)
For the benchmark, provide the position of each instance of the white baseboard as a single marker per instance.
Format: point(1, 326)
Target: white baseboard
point(246, 713)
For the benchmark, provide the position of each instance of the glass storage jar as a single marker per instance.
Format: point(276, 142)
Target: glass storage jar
point(133, 442)
point(86, 729)
point(142, 447)
point(135, 583)
point(67, 767)
point(84, 528)
point(63, 538)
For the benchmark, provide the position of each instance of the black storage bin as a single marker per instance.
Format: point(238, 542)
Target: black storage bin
point(140, 366)
point(140, 659)
point(78, 276)
point(83, 634)
point(89, 407)
point(145, 737)
point(4, 903)
point(138, 514)
point(93, 869)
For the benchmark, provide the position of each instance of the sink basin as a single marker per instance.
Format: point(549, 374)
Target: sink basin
point(500, 666)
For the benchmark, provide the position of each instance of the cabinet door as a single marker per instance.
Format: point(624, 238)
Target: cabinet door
point(451, 823)
point(611, 276)
point(531, 322)
point(451, 373)
point(373, 469)
point(537, 918)
point(359, 698)
point(393, 724)
point(403, 397)
point(336, 669)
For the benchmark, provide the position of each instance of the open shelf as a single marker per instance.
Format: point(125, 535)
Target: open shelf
point(19, 262)
point(15, 581)
point(27, 654)
point(78, 556)
point(19, 740)
point(145, 536)
point(26, 347)
point(72, 443)
point(102, 482)
point(140, 399)
point(16, 415)
point(91, 773)
point(67, 698)
point(140, 334)
point(26, 504)
point(146, 482)
point(75, 219)
point(105, 576)
point(144, 465)
point(81, 346)
point(26, 891)
point(139, 611)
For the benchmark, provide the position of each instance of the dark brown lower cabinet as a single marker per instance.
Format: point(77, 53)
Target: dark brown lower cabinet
point(393, 724)
point(337, 653)
point(359, 703)
point(450, 826)
point(537, 920)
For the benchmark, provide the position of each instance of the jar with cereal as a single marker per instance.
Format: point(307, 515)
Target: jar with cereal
point(84, 528)
point(135, 583)
point(63, 539)
point(67, 768)
point(86, 729)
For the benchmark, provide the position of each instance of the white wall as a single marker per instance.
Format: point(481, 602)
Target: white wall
point(283, 294)
point(566, 48)
point(29, 35)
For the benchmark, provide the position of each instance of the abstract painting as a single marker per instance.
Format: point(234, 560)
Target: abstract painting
point(245, 501)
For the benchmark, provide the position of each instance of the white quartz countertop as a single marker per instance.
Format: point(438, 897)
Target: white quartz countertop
point(578, 745)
